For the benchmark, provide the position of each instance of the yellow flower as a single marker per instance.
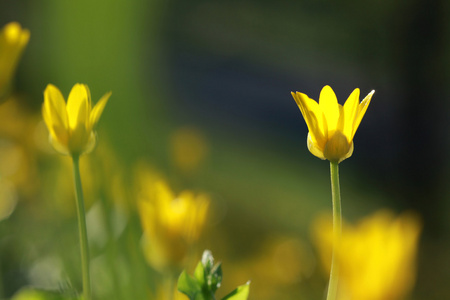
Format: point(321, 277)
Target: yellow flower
point(72, 126)
point(189, 148)
point(162, 293)
point(13, 40)
point(171, 224)
point(376, 257)
point(332, 126)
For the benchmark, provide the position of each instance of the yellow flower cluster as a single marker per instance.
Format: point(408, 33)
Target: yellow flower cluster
point(376, 257)
point(332, 126)
point(72, 126)
point(171, 224)
point(13, 40)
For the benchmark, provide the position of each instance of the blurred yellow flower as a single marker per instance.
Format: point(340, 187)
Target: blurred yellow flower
point(286, 262)
point(376, 257)
point(18, 153)
point(171, 224)
point(13, 40)
point(163, 294)
point(332, 126)
point(72, 126)
point(189, 148)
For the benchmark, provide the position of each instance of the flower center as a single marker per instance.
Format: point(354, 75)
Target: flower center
point(336, 147)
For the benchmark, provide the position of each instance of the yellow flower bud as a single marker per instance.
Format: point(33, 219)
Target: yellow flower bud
point(332, 126)
point(13, 40)
point(72, 126)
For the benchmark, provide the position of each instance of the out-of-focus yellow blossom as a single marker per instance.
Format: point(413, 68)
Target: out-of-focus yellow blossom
point(284, 261)
point(377, 257)
point(189, 147)
point(13, 40)
point(72, 126)
point(162, 293)
point(332, 126)
point(171, 224)
point(18, 153)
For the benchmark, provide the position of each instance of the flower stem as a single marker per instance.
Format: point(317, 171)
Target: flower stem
point(84, 247)
point(337, 229)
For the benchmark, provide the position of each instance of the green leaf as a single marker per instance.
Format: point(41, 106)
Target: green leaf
point(240, 293)
point(189, 286)
point(199, 274)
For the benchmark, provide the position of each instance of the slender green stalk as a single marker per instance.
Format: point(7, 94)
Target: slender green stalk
point(2, 289)
point(82, 229)
point(337, 229)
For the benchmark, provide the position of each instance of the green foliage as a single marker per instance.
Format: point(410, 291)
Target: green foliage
point(35, 294)
point(206, 280)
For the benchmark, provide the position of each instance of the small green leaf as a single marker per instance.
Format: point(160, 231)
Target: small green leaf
point(199, 274)
point(240, 293)
point(189, 286)
point(207, 279)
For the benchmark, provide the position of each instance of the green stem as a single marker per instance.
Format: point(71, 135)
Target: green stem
point(337, 229)
point(84, 247)
point(2, 289)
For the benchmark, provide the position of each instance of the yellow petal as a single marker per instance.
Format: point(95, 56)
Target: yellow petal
point(312, 147)
point(55, 114)
point(90, 145)
point(98, 110)
point(77, 106)
point(89, 101)
point(350, 152)
point(13, 40)
point(59, 147)
point(341, 121)
point(164, 195)
point(55, 105)
point(362, 107)
point(314, 119)
point(14, 34)
point(329, 105)
point(350, 110)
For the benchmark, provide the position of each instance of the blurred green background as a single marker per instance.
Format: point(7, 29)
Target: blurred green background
point(224, 70)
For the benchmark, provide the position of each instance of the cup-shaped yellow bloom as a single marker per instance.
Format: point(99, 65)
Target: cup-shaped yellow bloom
point(171, 224)
point(332, 126)
point(13, 40)
point(72, 126)
point(377, 257)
